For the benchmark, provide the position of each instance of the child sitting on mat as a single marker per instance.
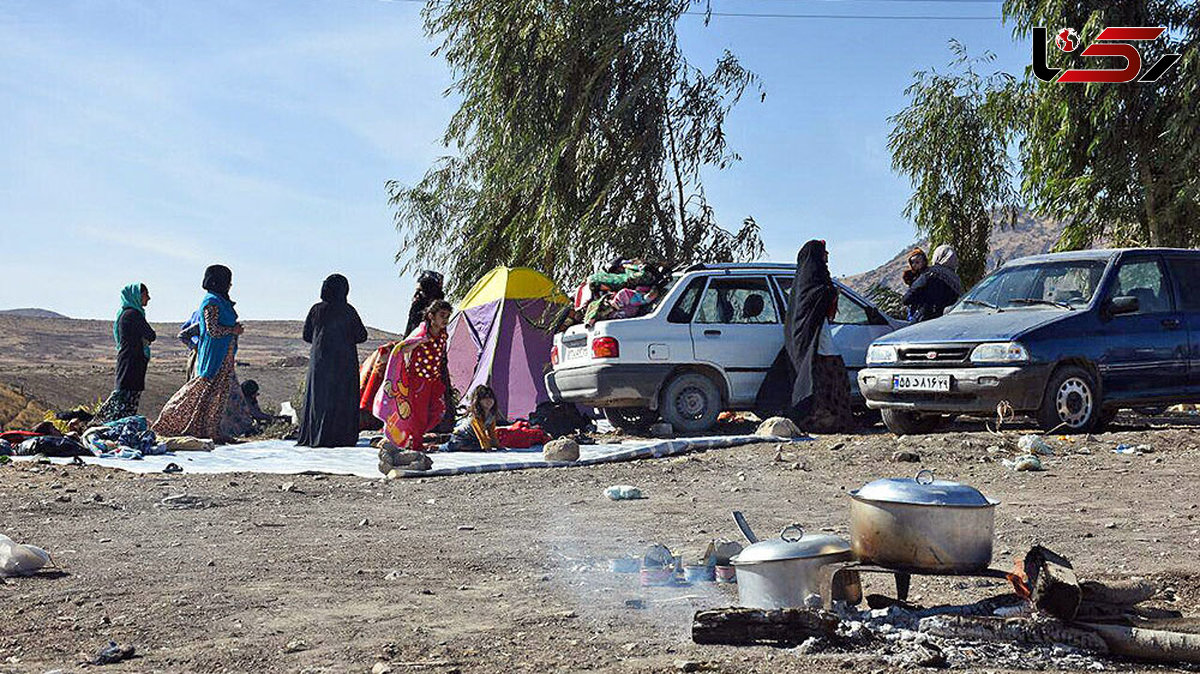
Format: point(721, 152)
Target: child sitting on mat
point(477, 431)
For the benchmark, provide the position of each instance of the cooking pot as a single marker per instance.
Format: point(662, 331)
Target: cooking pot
point(922, 524)
point(783, 572)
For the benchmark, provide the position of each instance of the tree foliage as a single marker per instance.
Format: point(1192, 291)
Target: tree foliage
point(581, 135)
point(1116, 161)
point(952, 142)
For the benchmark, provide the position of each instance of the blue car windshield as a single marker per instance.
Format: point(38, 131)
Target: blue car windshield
point(1066, 284)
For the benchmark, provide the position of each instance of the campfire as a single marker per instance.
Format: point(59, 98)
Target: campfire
point(1050, 612)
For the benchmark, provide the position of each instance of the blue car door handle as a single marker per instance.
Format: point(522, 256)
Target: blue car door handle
point(1171, 323)
point(712, 333)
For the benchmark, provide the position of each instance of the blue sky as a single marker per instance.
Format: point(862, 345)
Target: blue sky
point(142, 141)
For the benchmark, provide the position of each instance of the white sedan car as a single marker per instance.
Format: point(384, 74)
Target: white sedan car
point(705, 348)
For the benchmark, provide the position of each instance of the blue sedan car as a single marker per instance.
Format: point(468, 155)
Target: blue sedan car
point(1068, 338)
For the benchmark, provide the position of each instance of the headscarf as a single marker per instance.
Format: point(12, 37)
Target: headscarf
point(335, 289)
point(131, 298)
point(944, 266)
point(217, 280)
point(812, 295)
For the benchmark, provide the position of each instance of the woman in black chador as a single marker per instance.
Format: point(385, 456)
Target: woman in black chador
point(330, 417)
point(808, 382)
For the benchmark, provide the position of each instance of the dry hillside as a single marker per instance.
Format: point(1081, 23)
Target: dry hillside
point(18, 410)
point(1029, 236)
point(67, 362)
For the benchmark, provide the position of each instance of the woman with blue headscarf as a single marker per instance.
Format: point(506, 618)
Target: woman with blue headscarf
point(133, 336)
point(195, 410)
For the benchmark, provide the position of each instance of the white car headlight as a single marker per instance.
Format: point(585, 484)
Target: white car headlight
point(1000, 352)
point(881, 354)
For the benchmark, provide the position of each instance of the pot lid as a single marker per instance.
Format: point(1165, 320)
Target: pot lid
point(792, 543)
point(922, 490)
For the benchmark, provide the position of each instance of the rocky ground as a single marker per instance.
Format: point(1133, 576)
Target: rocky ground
point(510, 571)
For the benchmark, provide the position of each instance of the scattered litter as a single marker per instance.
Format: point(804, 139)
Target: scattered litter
point(364, 522)
point(1133, 450)
point(904, 456)
point(112, 653)
point(635, 603)
point(1034, 444)
point(173, 468)
point(623, 492)
point(184, 502)
point(20, 560)
point(288, 486)
point(466, 527)
point(1026, 462)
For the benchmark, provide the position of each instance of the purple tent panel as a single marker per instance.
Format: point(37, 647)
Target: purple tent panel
point(511, 359)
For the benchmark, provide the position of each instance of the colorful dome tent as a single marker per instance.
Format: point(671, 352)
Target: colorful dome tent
point(500, 336)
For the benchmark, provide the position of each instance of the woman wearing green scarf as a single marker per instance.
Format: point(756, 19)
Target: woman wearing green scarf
point(133, 336)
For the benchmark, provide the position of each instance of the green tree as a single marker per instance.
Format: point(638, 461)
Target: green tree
point(1115, 161)
point(952, 142)
point(582, 134)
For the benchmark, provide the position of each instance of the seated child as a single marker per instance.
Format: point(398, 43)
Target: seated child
point(477, 431)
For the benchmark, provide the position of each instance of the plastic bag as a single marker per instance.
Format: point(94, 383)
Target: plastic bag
point(20, 560)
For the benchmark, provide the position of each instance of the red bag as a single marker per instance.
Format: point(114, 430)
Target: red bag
point(520, 435)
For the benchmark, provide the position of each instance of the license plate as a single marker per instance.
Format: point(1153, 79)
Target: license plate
point(931, 383)
point(575, 352)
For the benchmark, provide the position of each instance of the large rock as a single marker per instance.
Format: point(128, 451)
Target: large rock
point(779, 427)
point(562, 449)
point(394, 460)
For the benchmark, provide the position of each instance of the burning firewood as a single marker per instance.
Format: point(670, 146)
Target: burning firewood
point(1052, 583)
point(1119, 593)
point(749, 627)
point(1150, 645)
point(1016, 630)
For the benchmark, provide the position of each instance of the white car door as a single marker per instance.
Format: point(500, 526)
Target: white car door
point(737, 327)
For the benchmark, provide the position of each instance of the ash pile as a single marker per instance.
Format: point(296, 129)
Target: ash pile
point(1051, 620)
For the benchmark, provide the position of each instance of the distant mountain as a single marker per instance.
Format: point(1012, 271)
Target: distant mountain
point(1028, 236)
point(31, 313)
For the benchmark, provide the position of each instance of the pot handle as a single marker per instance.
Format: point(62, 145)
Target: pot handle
point(925, 476)
point(792, 533)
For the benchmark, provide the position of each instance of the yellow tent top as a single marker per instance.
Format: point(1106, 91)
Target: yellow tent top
point(514, 283)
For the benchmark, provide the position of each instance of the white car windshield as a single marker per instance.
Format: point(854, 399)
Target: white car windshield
point(1066, 284)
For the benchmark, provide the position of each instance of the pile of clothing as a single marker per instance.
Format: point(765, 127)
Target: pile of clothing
point(623, 289)
point(128, 438)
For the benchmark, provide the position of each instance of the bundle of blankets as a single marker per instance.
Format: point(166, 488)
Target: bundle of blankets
point(623, 289)
point(128, 438)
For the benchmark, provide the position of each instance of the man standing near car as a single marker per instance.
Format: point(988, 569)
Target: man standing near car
point(936, 288)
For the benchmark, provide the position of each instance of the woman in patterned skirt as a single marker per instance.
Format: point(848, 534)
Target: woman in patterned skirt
point(195, 410)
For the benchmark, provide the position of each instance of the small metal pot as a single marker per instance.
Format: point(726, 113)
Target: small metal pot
point(783, 572)
point(922, 524)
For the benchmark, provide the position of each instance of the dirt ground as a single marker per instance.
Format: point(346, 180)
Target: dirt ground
point(509, 571)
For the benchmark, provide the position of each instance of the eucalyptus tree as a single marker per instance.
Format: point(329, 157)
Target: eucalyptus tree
point(1117, 162)
point(952, 142)
point(583, 132)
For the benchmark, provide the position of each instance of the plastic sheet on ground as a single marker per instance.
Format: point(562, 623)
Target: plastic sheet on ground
point(284, 457)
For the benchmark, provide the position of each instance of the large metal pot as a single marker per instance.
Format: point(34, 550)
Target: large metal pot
point(783, 572)
point(922, 524)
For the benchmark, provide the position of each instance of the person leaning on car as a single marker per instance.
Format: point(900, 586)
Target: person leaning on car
point(935, 288)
